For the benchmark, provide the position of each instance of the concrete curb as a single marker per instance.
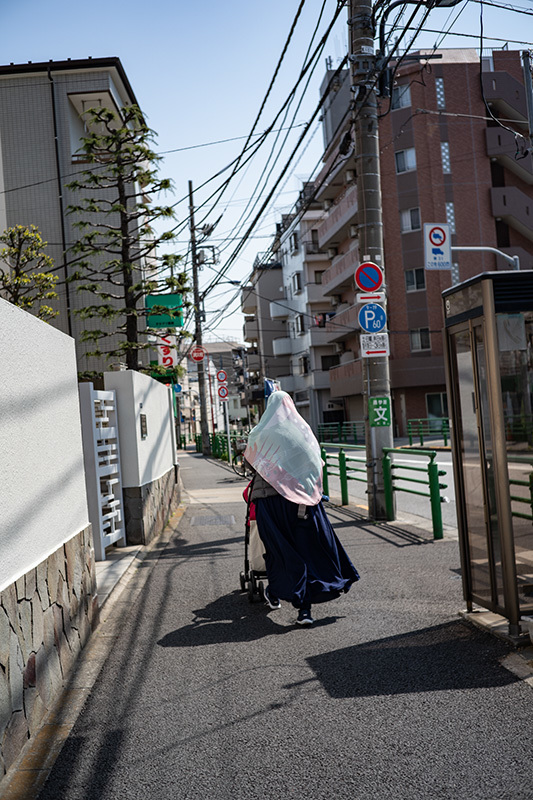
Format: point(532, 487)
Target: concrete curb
point(28, 774)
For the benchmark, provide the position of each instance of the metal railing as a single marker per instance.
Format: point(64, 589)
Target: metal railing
point(341, 432)
point(433, 483)
point(528, 484)
point(433, 426)
point(342, 462)
point(218, 444)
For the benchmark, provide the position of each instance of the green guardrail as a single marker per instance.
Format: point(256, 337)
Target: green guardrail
point(340, 465)
point(218, 444)
point(433, 472)
point(434, 426)
point(341, 432)
point(528, 484)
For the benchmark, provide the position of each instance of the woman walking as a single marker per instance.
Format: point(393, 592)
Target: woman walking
point(305, 561)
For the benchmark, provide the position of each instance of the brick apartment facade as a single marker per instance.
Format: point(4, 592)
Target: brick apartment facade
point(441, 161)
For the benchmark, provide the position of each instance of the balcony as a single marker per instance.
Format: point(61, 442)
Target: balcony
point(250, 329)
point(318, 337)
point(515, 208)
point(288, 382)
point(343, 325)
point(313, 252)
point(315, 293)
point(320, 379)
point(341, 273)
point(248, 300)
point(501, 146)
point(346, 379)
point(282, 347)
point(336, 227)
point(280, 309)
point(253, 362)
point(507, 95)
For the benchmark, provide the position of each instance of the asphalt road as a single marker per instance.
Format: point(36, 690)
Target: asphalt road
point(389, 695)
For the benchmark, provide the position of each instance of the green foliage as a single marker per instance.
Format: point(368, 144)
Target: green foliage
point(26, 277)
point(116, 254)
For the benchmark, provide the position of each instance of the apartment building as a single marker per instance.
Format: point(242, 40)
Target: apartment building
point(443, 159)
point(264, 287)
point(41, 127)
point(305, 310)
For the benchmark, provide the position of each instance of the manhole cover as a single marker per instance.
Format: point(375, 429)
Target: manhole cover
point(213, 520)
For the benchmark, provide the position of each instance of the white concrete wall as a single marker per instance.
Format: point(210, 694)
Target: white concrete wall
point(43, 500)
point(142, 460)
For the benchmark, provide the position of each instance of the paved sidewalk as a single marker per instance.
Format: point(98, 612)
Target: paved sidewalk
point(202, 694)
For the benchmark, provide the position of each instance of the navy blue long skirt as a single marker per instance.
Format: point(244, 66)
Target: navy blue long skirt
point(305, 561)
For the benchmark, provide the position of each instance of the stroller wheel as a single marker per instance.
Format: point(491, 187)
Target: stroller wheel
point(251, 593)
point(242, 578)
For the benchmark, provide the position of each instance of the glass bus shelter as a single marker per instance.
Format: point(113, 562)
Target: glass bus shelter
point(489, 372)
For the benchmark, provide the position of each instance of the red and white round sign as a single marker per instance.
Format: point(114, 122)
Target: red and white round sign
point(197, 353)
point(437, 236)
point(222, 376)
point(223, 392)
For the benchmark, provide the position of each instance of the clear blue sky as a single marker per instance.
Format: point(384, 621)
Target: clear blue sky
point(200, 72)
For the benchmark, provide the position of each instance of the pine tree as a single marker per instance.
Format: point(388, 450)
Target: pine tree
point(116, 255)
point(26, 271)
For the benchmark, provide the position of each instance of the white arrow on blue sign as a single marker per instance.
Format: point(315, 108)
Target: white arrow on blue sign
point(372, 318)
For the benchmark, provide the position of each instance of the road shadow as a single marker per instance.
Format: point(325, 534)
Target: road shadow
point(452, 656)
point(231, 618)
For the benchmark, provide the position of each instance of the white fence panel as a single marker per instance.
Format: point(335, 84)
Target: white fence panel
point(101, 453)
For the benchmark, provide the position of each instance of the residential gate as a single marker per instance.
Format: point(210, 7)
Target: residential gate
point(101, 455)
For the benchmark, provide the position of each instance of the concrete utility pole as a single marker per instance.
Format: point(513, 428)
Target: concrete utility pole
point(198, 330)
point(370, 228)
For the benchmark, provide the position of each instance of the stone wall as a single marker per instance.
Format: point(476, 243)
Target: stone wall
point(148, 508)
point(46, 617)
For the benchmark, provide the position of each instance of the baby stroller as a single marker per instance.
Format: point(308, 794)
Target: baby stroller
point(254, 560)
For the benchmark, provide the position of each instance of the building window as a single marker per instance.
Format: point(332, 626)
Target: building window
point(401, 97)
point(304, 365)
point(445, 156)
point(318, 275)
point(299, 324)
point(327, 362)
point(419, 339)
point(439, 86)
point(410, 220)
point(437, 405)
point(296, 282)
point(294, 242)
point(415, 280)
point(405, 160)
point(450, 216)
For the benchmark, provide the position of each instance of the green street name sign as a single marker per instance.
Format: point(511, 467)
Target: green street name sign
point(379, 412)
point(173, 302)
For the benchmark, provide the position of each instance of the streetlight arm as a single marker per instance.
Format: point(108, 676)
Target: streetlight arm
point(514, 260)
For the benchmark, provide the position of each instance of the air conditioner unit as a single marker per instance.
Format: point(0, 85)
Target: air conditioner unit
point(353, 231)
point(332, 252)
point(326, 205)
point(349, 176)
point(340, 347)
point(335, 299)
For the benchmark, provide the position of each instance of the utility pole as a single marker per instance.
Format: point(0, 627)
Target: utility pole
point(370, 230)
point(204, 430)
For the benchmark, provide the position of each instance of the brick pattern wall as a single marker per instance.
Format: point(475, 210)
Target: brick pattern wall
point(46, 618)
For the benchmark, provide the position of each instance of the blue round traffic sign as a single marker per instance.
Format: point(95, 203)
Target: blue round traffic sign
point(372, 318)
point(368, 277)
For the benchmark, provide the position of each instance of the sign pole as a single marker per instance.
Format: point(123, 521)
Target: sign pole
point(226, 413)
point(369, 227)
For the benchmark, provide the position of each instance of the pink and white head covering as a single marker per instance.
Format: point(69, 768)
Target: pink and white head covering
point(283, 449)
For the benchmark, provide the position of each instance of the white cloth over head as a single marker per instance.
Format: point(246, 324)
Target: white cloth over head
point(283, 449)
